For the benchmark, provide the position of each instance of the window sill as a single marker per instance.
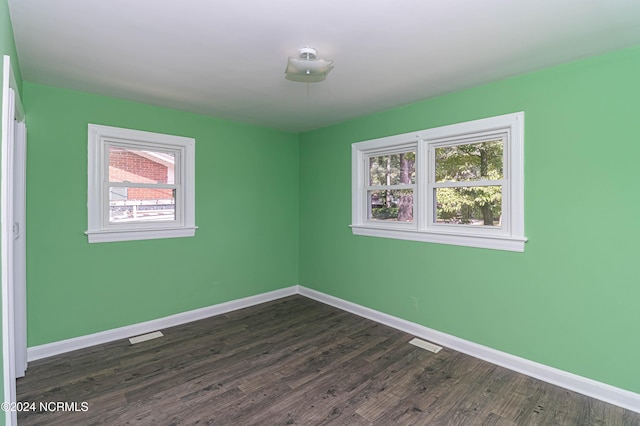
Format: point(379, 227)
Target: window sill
point(494, 242)
point(99, 236)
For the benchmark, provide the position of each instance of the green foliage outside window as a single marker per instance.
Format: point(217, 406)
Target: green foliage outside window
point(386, 171)
point(472, 204)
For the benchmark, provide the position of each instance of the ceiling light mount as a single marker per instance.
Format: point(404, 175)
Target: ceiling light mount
point(308, 53)
point(307, 68)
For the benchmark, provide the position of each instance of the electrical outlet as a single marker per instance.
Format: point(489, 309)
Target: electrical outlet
point(413, 303)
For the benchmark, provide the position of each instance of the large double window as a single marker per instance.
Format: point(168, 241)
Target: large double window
point(461, 184)
point(141, 185)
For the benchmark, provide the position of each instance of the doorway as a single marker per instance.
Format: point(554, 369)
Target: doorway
point(12, 237)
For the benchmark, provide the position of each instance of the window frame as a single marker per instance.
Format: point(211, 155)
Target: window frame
point(509, 236)
point(100, 139)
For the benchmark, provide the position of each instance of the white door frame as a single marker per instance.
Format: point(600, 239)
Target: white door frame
point(19, 238)
point(12, 112)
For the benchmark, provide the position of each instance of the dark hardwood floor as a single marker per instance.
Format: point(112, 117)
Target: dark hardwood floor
point(294, 361)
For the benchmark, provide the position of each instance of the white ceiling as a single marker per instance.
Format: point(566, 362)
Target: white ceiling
point(226, 58)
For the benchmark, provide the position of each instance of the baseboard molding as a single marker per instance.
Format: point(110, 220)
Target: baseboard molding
point(602, 391)
point(63, 346)
point(583, 385)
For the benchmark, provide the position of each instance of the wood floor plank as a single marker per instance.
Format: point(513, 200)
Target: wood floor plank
point(295, 361)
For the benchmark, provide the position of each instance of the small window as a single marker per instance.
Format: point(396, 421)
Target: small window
point(461, 184)
point(141, 185)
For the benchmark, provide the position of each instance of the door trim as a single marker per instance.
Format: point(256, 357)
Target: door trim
point(19, 241)
point(11, 112)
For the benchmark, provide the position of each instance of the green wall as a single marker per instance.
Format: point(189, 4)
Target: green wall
point(7, 47)
point(246, 208)
point(570, 300)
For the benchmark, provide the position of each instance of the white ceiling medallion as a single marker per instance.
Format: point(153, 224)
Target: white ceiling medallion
point(307, 68)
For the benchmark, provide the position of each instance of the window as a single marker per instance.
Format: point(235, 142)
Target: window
point(391, 185)
point(461, 184)
point(141, 185)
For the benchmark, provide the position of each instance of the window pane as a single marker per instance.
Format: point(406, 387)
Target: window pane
point(391, 205)
point(476, 161)
point(135, 204)
point(138, 166)
point(470, 205)
point(394, 169)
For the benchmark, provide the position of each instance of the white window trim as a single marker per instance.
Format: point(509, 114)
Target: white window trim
point(98, 230)
point(510, 236)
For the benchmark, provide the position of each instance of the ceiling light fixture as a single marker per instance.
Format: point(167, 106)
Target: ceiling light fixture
point(306, 68)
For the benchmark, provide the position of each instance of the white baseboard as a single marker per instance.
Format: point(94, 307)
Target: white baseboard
point(582, 385)
point(56, 348)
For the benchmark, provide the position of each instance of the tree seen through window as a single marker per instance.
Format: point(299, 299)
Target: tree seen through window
point(468, 183)
point(391, 178)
